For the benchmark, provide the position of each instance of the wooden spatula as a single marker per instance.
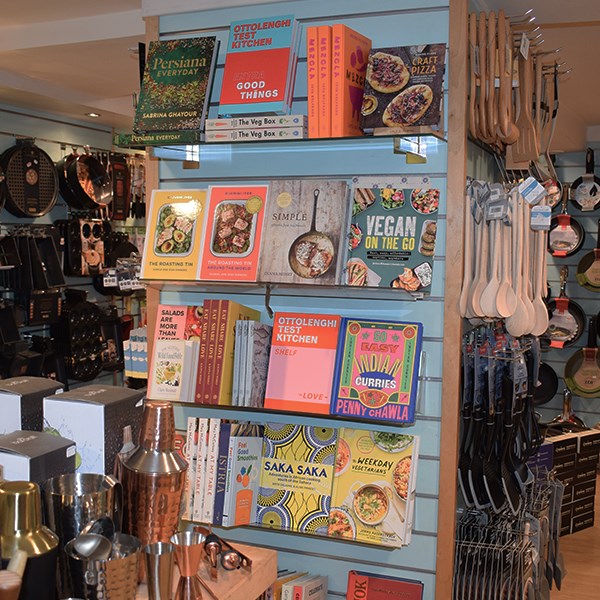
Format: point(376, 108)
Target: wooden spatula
point(526, 148)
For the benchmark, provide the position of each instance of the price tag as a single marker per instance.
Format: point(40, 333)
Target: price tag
point(524, 46)
point(110, 278)
point(540, 218)
point(532, 190)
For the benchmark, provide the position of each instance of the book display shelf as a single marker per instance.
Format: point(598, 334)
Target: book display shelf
point(428, 558)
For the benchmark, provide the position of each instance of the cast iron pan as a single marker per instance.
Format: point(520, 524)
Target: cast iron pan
point(31, 182)
point(567, 318)
point(306, 247)
point(89, 181)
point(588, 269)
point(547, 385)
point(586, 189)
point(582, 371)
point(121, 185)
point(566, 234)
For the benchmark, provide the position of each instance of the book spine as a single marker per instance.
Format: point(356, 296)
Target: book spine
point(200, 468)
point(222, 468)
point(312, 79)
point(190, 456)
point(223, 325)
point(237, 350)
point(199, 398)
point(210, 351)
point(256, 122)
point(227, 504)
point(208, 502)
point(337, 78)
point(249, 362)
point(325, 70)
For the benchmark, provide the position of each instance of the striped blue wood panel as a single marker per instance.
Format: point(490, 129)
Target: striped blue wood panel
point(388, 23)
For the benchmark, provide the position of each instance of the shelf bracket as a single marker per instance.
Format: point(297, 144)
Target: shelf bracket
point(268, 300)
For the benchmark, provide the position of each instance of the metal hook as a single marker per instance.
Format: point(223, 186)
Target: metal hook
point(268, 300)
point(524, 15)
point(546, 52)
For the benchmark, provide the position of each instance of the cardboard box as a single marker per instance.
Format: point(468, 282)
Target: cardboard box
point(582, 522)
point(94, 416)
point(563, 445)
point(35, 456)
point(587, 459)
point(584, 490)
point(544, 457)
point(21, 402)
point(583, 507)
point(588, 441)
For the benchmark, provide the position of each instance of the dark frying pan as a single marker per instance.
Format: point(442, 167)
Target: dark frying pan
point(121, 185)
point(311, 254)
point(566, 234)
point(588, 269)
point(566, 317)
point(31, 186)
point(582, 371)
point(585, 190)
point(66, 191)
point(547, 385)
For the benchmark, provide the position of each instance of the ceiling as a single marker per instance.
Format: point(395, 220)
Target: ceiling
point(71, 59)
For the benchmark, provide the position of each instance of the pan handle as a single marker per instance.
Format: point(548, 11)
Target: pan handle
point(591, 343)
point(589, 161)
point(564, 273)
point(313, 223)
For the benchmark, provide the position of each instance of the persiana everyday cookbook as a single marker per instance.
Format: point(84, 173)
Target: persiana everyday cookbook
point(233, 233)
point(301, 362)
point(374, 487)
point(296, 477)
point(176, 85)
point(303, 237)
point(172, 246)
point(376, 371)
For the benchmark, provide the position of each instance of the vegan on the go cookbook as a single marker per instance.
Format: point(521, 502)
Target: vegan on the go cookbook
point(392, 234)
point(173, 239)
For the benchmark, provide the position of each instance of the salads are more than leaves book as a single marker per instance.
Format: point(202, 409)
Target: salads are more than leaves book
point(176, 85)
point(304, 232)
point(374, 487)
point(392, 235)
point(233, 233)
point(172, 246)
point(296, 477)
point(376, 371)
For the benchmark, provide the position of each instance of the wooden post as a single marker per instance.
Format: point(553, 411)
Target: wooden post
point(456, 182)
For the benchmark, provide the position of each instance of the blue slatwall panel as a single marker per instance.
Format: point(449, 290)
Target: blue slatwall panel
point(388, 23)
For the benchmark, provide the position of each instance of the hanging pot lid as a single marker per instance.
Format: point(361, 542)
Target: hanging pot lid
point(31, 180)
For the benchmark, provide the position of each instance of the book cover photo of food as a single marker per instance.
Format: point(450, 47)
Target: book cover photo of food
point(176, 85)
point(233, 233)
point(304, 232)
point(172, 246)
point(377, 369)
point(404, 88)
point(374, 487)
point(392, 235)
point(296, 477)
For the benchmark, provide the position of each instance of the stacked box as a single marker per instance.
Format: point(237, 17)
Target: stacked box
point(575, 464)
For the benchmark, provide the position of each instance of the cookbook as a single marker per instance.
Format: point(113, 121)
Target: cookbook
point(392, 235)
point(374, 487)
point(233, 233)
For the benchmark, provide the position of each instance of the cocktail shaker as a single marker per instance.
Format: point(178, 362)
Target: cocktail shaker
point(153, 478)
point(21, 529)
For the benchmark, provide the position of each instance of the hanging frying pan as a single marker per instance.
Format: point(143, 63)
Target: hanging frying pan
point(588, 269)
point(547, 385)
point(566, 234)
point(2, 188)
point(582, 371)
point(84, 181)
point(31, 184)
point(312, 253)
point(585, 190)
point(567, 318)
point(121, 186)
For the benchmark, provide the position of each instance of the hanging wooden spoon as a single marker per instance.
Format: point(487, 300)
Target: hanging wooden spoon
point(463, 302)
point(506, 300)
point(516, 324)
point(483, 81)
point(507, 131)
point(480, 280)
point(540, 308)
point(474, 73)
point(526, 270)
point(490, 292)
